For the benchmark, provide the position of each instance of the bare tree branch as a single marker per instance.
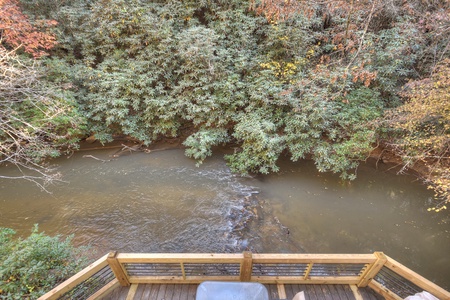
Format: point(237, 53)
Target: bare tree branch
point(29, 112)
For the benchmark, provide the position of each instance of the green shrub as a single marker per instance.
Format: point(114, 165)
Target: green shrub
point(31, 267)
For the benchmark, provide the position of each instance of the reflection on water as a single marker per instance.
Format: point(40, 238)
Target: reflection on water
point(160, 202)
point(377, 212)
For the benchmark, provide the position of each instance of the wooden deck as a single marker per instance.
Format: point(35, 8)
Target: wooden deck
point(283, 291)
point(170, 276)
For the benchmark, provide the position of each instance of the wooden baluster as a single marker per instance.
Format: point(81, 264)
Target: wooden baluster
point(183, 272)
point(308, 269)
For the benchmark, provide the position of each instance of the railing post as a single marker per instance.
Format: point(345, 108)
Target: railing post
point(246, 267)
point(116, 267)
point(373, 269)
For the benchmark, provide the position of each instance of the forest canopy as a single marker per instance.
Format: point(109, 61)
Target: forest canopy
point(326, 80)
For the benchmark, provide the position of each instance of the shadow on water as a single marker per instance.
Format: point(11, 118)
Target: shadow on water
point(161, 202)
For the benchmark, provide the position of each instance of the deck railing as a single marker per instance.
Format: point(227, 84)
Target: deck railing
point(378, 271)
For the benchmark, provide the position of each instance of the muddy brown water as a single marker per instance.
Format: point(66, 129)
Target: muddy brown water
point(161, 202)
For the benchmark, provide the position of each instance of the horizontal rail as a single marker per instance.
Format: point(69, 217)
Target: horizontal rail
point(383, 274)
point(264, 268)
point(285, 258)
point(178, 258)
point(75, 280)
point(237, 257)
point(408, 280)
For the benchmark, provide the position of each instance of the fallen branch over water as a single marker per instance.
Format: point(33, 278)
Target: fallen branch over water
point(100, 148)
point(160, 149)
point(96, 158)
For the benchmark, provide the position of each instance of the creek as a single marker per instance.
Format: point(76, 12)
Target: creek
point(161, 202)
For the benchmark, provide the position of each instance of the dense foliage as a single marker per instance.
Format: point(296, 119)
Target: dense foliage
point(226, 74)
point(31, 267)
point(272, 77)
point(423, 128)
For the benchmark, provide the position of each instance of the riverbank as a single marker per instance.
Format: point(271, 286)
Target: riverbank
point(123, 145)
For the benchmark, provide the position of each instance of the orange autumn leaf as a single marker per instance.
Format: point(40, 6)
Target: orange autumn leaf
point(16, 30)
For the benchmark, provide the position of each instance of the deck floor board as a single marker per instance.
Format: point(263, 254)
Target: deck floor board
point(139, 292)
point(289, 288)
point(161, 292)
point(177, 292)
point(169, 293)
point(333, 292)
point(188, 292)
point(147, 290)
point(184, 292)
point(339, 292)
